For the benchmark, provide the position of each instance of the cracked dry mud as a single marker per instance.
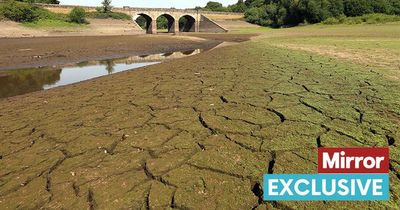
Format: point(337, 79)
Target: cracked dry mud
point(194, 133)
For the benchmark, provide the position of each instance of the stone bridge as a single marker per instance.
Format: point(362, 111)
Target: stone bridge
point(190, 18)
point(179, 20)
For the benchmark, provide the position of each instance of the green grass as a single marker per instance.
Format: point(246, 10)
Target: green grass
point(260, 29)
point(365, 19)
point(376, 45)
point(111, 15)
point(34, 16)
point(331, 23)
point(48, 23)
point(162, 30)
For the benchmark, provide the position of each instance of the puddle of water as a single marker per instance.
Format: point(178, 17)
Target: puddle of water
point(22, 81)
point(70, 75)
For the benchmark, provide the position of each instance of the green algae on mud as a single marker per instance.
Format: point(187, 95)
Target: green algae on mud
point(178, 135)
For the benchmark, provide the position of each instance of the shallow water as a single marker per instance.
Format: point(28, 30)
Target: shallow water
point(22, 81)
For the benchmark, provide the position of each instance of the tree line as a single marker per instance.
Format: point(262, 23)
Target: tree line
point(278, 13)
point(41, 1)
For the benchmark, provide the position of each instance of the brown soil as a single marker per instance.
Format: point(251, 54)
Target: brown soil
point(193, 133)
point(224, 37)
point(46, 51)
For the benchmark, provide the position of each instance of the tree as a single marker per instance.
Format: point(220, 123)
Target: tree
point(381, 6)
point(316, 10)
point(77, 15)
point(276, 15)
point(40, 1)
point(294, 12)
point(141, 21)
point(335, 8)
point(109, 66)
point(214, 6)
point(48, 1)
point(240, 6)
point(254, 15)
point(162, 22)
point(354, 8)
point(106, 6)
point(255, 3)
point(395, 7)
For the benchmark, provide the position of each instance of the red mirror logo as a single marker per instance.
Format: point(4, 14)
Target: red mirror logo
point(353, 160)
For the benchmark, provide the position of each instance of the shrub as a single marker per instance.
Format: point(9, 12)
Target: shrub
point(331, 21)
point(19, 12)
point(44, 14)
point(379, 18)
point(120, 16)
point(113, 15)
point(24, 12)
point(368, 19)
point(41, 1)
point(77, 15)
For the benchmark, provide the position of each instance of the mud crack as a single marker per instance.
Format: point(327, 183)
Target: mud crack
point(280, 115)
point(205, 125)
point(90, 200)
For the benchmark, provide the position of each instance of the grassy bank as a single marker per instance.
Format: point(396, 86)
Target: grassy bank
point(36, 17)
point(109, 15)
point(372, 46)
point(367, 19)
point(51, 23)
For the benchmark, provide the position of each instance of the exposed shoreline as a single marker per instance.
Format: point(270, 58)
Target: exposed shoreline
point(197, 132)
point(48, 51)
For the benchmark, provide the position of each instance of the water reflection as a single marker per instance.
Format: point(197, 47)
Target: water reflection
point(70, 75)
point(21, 81)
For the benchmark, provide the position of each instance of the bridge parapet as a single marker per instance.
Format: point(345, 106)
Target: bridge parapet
point(128, 8)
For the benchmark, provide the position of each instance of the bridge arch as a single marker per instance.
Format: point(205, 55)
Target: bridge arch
point(170, 24)
point(174, 22)
point(145, 21)
point(187, 23)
